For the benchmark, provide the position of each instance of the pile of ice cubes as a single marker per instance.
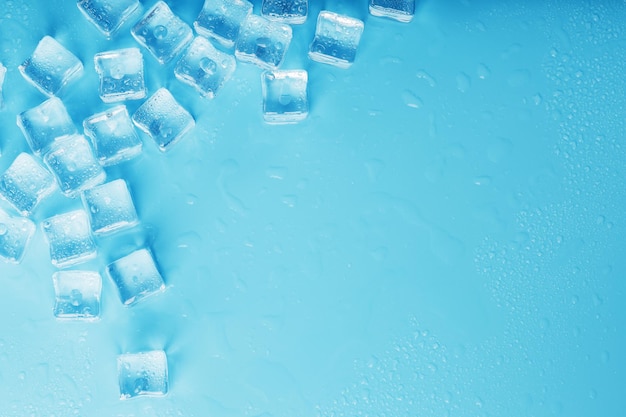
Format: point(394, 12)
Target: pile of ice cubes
point(64, 160)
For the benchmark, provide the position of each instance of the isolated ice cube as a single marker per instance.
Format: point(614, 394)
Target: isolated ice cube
point(336, 39)
point(51, 66)
point(263, 42)
point(204, 67)
point(74, 165)
point(121, 75)
point(25, 183)
point(77, 294)
point(110, 207)
point(113, 135)
point(45, 123)
point(163, 119)
point(284, 96)
point(142, 374)
point(15, 234)
point(163, 33)
point(69, 238)
point(293, 12)
point(136, 276)
point(222, 19)
point(108, 15)
point(400, 10)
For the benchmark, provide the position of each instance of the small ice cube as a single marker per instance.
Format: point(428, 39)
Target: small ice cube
point(51, 66)
point(204, 67)
point(400, 10)
point(110, 207)
point(284, 96)
point(293, 12)
point(163, 33)
point(336, 39)
point(43, 124)
point(121, 75)
point(25, 183)
point(108, 15)
point(15, 233)
point(142, 374)
point(69, 238)
point(77, 294)
point(263, 42)
point(136, 276)
point(113, 135)
point(74, 165)
point(163, 119)
point(222, 19)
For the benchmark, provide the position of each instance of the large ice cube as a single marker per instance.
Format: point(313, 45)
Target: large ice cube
point(136, 276)
point(263, 42)
point(113, 135)
point(77, 294)
point(143, 373)
point(110, 207)
point(204, 67)
point(69, 238)
point(285, 96)
point(163, 119)
point(121, 75)
point(51, 66)
point(108, 15)
point(336, 39)
point(163, 33)
point(15, 233)
point(287, 11)
point(400, 10)
point(74, 165)
point(25, 183)
point(222, 19)
point(44, 123)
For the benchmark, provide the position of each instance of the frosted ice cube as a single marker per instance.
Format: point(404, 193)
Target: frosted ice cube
point(163, 119)
point(110, 207)
point(72, 162)
point(69, 238)
point(204, 67)
point(143, 373)
point(113, 136)
point(121, 75)
point(51, 66)
point(25, 183)
point(400, 10)
point(285, 96)
point(43, 124)
point(222, 19)
point(287, 11)
point(77, 294)
point(162, 32)
point(15, 233)
point(3, 72)
point(263, 42)
point(336, 39)
point(136, 276)
point(108, 15)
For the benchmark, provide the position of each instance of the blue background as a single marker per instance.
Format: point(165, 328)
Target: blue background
point(443, 236)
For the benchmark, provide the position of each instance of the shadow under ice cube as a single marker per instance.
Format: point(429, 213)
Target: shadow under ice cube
point(77, 294)
point(15, 233)
point(142, 374)
point(25, 183)
point(285, 96)
point(136, 276)
point(108, 15)
point(263, 42)
point(336, 39)
point(45, 123)
point(69, 238)
point(222, 19)
point(121, 75)
point(110, 207)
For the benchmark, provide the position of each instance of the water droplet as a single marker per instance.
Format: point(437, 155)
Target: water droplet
point(411, 100)
point(3, 229)
point(463, 82)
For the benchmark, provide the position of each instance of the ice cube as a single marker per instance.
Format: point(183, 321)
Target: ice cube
point(163, 33)
point(400, 10)
point(336, 39)
point(204, 67)
point(262, 42)
point(113, 135)
point(136, 276)
point(3, 72)
point(163, 119)
point(222, 19)
point(74, 165)
point(121, 75)
point(15, 233)
point(25, 183)
point(43, 124)
point(77, 294)
point(51, 66)
point(293, 12)
point(284, 96)
point(110, 207)
point(108, 15)
point(69, 238)
point(142, 374)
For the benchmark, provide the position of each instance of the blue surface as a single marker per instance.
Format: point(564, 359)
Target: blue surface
point(443, 236)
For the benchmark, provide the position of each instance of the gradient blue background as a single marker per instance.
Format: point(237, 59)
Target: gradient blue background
point(443, 236)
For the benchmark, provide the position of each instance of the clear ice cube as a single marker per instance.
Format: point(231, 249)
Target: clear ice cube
point(77, 294)
point(293, 12)
point(69, 238)
point(121, 75)
point(136, 276)
point(222, 19)
point(108, 15)
point(336, 39)
point(15, 234)
point(110, 207)
point(263, 42)
point(142, 374)
point(400, 10)
point(284, 96)
point(44, 123)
